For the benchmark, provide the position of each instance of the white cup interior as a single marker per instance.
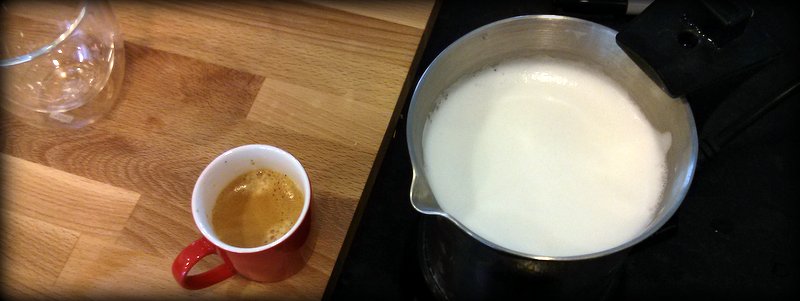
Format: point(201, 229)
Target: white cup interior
point(233, 163)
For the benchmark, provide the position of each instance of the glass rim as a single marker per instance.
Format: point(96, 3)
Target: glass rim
point(23, 58)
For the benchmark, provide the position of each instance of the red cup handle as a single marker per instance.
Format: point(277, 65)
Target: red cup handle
point(190, 256)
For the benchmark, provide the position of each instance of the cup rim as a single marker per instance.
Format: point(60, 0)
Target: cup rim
point(222, 157)
point(30, 55)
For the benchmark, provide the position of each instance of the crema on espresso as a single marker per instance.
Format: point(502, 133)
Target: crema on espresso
point(257, 208)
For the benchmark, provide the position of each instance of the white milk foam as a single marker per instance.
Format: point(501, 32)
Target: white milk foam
point(545, 157)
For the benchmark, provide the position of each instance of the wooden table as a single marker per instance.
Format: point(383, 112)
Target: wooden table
point(103, 211)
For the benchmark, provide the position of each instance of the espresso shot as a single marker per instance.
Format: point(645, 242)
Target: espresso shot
point(256, 209)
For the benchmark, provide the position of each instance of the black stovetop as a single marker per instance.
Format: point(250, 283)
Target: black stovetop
point(733, 236)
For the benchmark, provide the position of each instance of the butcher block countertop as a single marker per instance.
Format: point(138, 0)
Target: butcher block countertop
point(103, 211)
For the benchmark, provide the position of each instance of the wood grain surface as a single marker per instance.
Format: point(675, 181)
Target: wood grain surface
point(104, 210)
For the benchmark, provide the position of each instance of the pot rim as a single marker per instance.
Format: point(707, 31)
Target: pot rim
point(419, 174)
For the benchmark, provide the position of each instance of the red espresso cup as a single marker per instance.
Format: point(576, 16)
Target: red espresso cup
point(272, 262)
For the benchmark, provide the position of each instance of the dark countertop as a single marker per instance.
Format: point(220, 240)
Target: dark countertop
point(734, 235)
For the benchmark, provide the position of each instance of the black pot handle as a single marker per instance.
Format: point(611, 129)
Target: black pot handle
point(686, 45)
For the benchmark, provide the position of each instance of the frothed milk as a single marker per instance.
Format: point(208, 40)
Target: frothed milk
point(544, 156)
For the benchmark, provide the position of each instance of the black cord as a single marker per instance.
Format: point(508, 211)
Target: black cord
point(710, 146)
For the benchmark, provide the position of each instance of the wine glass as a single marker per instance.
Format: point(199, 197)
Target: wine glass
point(62, 62)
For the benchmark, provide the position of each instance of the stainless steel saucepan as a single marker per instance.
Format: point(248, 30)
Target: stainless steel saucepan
point(561, 37)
